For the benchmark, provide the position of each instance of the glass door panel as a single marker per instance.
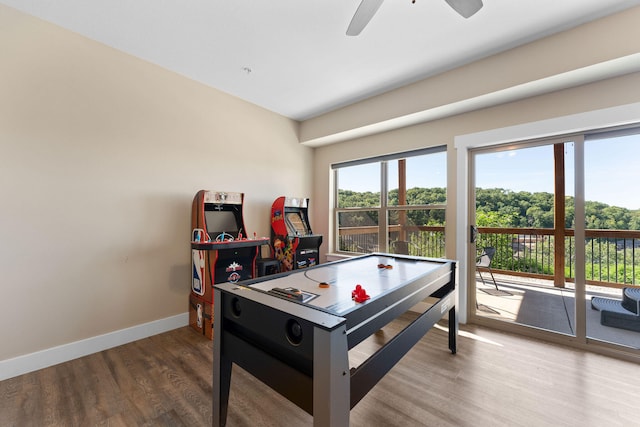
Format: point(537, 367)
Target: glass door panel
point(520, 275)
point(612, 224)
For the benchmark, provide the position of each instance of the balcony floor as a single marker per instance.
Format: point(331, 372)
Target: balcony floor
point(539, 304)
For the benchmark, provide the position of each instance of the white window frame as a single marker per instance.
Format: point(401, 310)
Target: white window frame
point(383, 208)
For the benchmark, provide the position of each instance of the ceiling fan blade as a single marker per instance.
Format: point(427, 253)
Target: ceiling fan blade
point(466, 8)
point(363, 15)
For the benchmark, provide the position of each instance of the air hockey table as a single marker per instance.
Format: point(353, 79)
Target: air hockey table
point(293, 331)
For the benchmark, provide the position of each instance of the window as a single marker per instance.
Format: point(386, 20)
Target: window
point(392, 204)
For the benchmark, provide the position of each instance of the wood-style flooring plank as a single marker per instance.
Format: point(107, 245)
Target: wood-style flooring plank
point(495, 379)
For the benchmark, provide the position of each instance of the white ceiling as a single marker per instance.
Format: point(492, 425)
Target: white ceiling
point(293, 57)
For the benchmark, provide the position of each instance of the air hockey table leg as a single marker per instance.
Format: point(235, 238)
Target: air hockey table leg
point(221, 369)
point(331, 378)
point(453, 329)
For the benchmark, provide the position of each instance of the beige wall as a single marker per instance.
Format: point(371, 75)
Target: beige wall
point(100, 157)
point(614, 37)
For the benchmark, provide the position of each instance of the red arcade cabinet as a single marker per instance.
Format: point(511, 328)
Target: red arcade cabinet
point(220, 251)
point(294, 244)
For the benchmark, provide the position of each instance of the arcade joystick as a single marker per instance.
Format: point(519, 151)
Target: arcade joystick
point(224, 237)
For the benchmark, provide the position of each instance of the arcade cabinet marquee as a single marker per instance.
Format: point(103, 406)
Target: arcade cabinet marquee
point(294, 244)
point(220, 251)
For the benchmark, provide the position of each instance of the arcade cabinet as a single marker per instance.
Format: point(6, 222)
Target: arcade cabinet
point(293, 243)
point(220, 251)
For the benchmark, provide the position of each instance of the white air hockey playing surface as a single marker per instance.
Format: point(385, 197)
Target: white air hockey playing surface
point(377, 275)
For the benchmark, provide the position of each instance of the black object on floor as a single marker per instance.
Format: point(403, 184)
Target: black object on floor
point(623, 314)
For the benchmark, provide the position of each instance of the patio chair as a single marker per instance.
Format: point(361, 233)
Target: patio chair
point(400, 247)
point(484, 261)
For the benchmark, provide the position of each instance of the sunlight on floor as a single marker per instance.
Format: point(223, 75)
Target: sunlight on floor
point(469, 335)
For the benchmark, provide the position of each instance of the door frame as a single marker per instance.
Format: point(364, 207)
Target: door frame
point(550, 128)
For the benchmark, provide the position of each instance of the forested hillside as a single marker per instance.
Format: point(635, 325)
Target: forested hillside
point(497, 207)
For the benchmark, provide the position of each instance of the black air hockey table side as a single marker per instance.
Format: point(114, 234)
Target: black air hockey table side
point(300, 349)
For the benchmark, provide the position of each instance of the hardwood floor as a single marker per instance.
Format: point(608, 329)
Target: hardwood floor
point(495, 379)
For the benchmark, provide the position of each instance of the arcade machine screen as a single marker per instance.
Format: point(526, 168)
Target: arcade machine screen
point(296, 224)
point(293, 242)
point(222, 221)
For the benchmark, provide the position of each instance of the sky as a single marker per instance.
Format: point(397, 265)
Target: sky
point(424, 171)
point(612, 169)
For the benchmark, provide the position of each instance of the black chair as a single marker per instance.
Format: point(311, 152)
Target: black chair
point(484, 261)
point(400, 247)
point(266, 266)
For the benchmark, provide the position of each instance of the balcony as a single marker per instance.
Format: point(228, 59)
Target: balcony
point(539, 304)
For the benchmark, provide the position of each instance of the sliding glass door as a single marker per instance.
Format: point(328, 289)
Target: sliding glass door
point(560, 219)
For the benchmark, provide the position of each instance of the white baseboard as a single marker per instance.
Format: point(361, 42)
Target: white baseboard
point(10, 368)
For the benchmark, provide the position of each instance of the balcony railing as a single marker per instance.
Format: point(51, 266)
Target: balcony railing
point(612, 257)
point(427, 241)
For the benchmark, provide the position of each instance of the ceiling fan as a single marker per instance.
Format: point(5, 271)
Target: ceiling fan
point(368, 8)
